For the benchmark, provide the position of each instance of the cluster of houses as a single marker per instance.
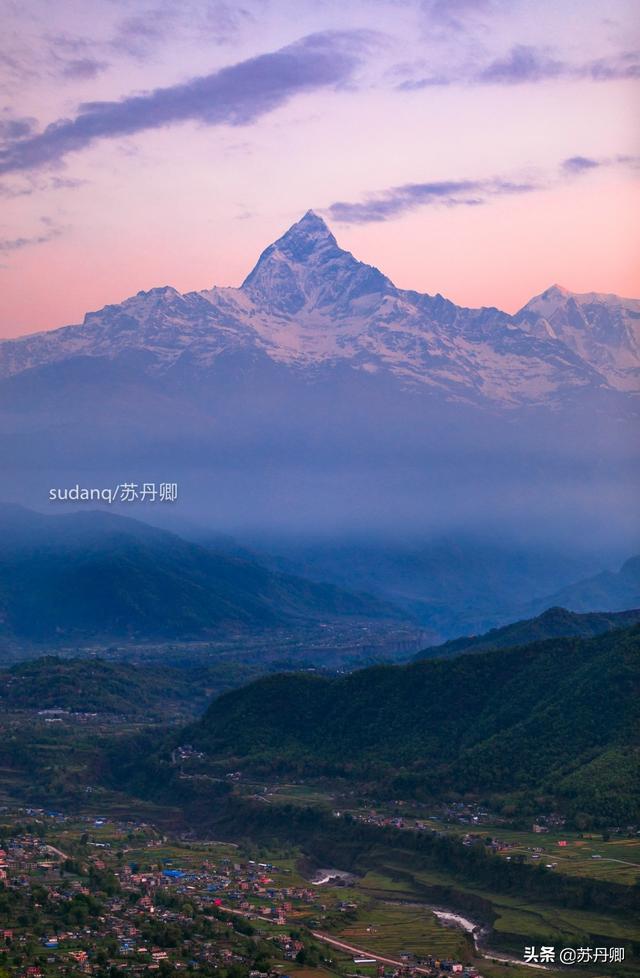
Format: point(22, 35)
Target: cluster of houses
point(436, 966)
point(27, 854)
point(247, 888)
point(466, 815)
point(224, 887)
point(201, 897)
point(460, 813)
point(116, 937)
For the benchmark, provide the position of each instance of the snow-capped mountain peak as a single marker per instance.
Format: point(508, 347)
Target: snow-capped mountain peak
point(309, 305)
point(306, 267)
point(603, 329)
point(309, 239)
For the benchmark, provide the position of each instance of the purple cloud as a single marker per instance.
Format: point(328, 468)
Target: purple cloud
point(454, 14)
point(431, 81)
point(622, 67)
point(235, 96)
point(14, 128)
point(525, 64)
point(580, 164)
point(394, 201)
point(84, 68)
point(449, 193)
point(522, 64)
point(574, 166)
point(16, 244)
point(214, 21)
point(33, 184)
point(139, 32)
point(73, 57)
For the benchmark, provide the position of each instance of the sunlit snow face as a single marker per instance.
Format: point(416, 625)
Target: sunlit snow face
point(478, 148)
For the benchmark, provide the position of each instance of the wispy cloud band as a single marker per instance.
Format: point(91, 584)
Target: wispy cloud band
point(524, 64)
point(395, 201)
point(236, 95)
point(449, 193)
point(51, 231)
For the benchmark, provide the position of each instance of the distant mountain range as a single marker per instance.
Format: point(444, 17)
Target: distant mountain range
point(555, 719)
point(309, 304)
point(319, 400)
point(98, 575)
point(95, 575)
point(610, 590)
point(553, 623)
point(452, 584)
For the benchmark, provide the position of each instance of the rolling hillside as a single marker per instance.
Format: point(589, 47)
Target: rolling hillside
point(95, 574)
point(557, 717)
point(96, 686)
point(554, 623)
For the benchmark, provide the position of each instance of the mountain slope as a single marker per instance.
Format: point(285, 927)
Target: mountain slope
point(529, 718)
point(453, 584)
point(553, 623)
point(613, 590)
point(97, 574)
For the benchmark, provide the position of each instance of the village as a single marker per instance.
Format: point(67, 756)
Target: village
point(94, 897)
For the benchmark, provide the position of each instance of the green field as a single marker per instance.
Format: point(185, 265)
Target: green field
point(617, 860)
point(619, 857)
point(516, 921)
point(298, 794)
point(387, 929)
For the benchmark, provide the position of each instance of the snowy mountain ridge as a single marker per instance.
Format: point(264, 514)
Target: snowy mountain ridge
point(308, 303)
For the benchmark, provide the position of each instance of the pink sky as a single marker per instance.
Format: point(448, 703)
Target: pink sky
point(450, 123)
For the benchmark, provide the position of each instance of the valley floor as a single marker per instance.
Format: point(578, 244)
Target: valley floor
point(109, 895)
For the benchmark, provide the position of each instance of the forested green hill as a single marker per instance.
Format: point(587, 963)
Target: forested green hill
point(559, 717)
point(553, 623)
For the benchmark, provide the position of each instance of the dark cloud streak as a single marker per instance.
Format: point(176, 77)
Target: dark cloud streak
point(236, 95)
point(396, 201)
point(449, 193)
point(580, 164)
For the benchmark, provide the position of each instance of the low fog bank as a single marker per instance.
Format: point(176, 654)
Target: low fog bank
point(333, 458)
point(555, 503)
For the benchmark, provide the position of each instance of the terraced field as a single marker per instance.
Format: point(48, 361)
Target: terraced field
point(390, 930)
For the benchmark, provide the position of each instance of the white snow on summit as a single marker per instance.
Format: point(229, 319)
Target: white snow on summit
point(602, 329)
point(308, 303)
